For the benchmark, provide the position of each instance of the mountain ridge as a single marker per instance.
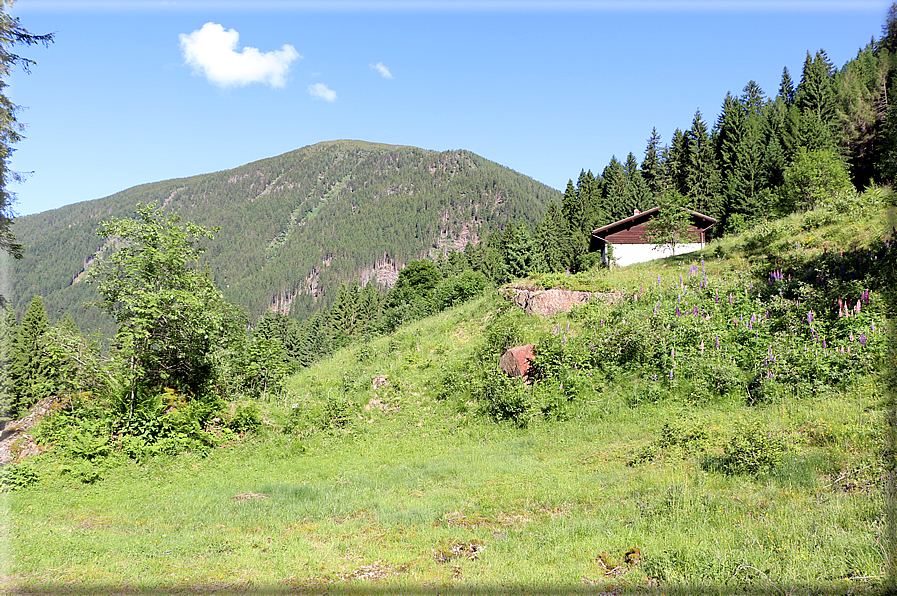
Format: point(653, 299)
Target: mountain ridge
point(293, 226)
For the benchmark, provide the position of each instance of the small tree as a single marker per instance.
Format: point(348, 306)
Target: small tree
point(171, 318)
point(33, 375)
point(671, 225)
point(813, 176)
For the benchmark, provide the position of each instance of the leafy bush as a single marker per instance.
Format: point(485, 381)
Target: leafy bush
point(15, 476)
point(459, 288)
point(247, 418)
point(751, 451)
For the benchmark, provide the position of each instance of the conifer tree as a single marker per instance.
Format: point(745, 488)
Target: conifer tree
point(32, 375)
point(702, 175)
point(553, 240)
point(676, 162)
point(652, 169)
point(8, 331)
point(786, 88)
point(11, 34)
point(637, 195)
point(815, 98)
point(614, 189)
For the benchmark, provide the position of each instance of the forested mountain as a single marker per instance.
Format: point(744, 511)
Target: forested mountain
point(292, 227)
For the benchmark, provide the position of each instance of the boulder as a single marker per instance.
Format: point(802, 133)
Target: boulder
point(549, 302)
point(516, 361)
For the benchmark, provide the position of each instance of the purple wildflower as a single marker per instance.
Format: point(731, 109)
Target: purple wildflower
point(702, 346)
point(671, 374)
point(717, 341)
point(810, 317)
point(863, 339)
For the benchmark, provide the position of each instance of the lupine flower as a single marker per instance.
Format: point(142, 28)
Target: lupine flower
point(673, 353)
point(702, 346)
point(678, 313)
point(717, 341)
point(863, 339)
point(851, 336)
point(824, 345)
point(716, 298)
point(873, 326)
point(810, 317)
point(730, 298)
point(671, 374)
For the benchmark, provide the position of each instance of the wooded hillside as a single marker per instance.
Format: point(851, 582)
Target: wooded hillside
point(292, 227)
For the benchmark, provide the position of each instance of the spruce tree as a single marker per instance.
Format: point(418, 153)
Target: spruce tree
point(614, 189)
point(786, 87)
point(637, 195)
point(8, 331)
point(702, 175)
point(32, 375)
point(652, 169)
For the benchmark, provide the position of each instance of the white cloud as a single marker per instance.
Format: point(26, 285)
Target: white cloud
point(381, 68)
point(321, 91)
point(212, 52)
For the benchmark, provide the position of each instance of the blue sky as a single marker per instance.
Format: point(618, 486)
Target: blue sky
point(139, 91)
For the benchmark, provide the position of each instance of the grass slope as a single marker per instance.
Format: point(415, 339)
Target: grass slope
point(408, 488)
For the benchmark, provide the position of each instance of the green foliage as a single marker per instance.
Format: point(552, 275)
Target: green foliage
point(171, 317)
point(812, 177)
point(454, 290)
point(12, 33)
point(31, 367)
point(671, 226)
point(293, 228)
point(16, 476)
point(247, 417)
point(751, 451)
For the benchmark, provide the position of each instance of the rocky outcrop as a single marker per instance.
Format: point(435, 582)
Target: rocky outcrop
point(516, 361)
point(15, 445)
point(549, 302)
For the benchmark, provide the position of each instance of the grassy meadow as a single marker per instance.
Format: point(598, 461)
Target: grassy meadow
point(721, 430)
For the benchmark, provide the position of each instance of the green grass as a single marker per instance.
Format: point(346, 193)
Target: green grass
point(408, 489)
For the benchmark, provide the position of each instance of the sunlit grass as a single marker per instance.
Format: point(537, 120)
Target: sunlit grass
point(413, 490)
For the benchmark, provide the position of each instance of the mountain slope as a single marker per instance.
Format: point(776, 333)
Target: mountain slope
point(295, 226)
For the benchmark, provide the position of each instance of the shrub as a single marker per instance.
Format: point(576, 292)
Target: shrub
point(247, 418)
point(459, 288)
point(751, 451)
point(15, 476)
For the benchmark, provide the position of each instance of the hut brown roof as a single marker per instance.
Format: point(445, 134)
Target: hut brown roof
point(631, 230)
